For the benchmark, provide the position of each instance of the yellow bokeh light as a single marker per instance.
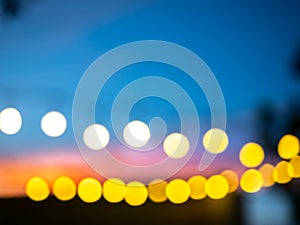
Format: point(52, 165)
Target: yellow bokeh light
point(37, 189)
point(288, 146)
point(251, 155)
point(197, 184)
point(280, 173)
point(267, 173)
point(293, 167)
point(215, 141)
point(251, 181)
point(232, 178)
point(89, 190)
point(114, 190)
point(176, 145)
point(64, 188)
point(178, 191)
point(136, 193)
point(157, 190)
point(216, 187)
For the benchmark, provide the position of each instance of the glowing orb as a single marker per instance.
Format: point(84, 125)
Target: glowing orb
point(64, 188)
point(89, 190)
point(136, 193)
point(232, 178)
point(197, 184)
point(293, 167)
point(280, 173)
point(96, 137)
point(54, 124)
point(10, 121)
point(288, 146)
point(216, 187)
point(157, 190)
point(136, 134)
point(251, 155)
point(176, 145)
point(251, 181)
point(37, 189)
point(114, 190)
point(266, 171)
point(178, 191)
point(215, 141)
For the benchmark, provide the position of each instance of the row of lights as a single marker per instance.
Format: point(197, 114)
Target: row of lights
point(179, 191)
point(96, 136)
point(53, 123)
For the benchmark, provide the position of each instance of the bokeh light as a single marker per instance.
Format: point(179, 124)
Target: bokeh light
point(136, 134)
point(251, 155)
point(266, 171)
point(288, 146)
point(293, 167)
point(215, 141)
point(37, 189)
point(89, 190)
point(251, 181)
point(178, 191)
point(10, 121)
point(280, 173)
point(96, 137)
point(64, 188)
point(197, 184)
point(136, 193)
point(176, 145)
point(232, 178)
point(216, 187)
point(53, 124)
point(157, 190)
point(114, 190)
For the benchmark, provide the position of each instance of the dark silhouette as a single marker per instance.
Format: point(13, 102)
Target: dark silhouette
point(10, 8)
point(273, 123)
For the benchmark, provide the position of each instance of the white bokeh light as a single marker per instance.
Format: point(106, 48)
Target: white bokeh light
point(10, 121)
point(54, 124)
point(176, 145)
point(136, 134)
point(96, 137)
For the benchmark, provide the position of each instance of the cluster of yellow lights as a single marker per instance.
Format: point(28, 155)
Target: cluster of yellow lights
point(178, 191)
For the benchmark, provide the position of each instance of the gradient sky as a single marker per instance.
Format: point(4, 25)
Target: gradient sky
point(44, 52)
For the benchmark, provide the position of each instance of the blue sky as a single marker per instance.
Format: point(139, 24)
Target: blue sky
point(44, 52)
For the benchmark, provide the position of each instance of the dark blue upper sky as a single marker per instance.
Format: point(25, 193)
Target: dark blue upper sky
point(44, 52)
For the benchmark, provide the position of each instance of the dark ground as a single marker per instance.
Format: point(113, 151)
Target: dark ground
point(52, 211)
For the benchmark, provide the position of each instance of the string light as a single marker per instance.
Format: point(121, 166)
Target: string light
point(266, 171)
point(157, 190)
point(288, 146)
point(136, 193)
point(251, 155)
point(176, 145)
point(64, 188)
point(215, 141)
point(280, 173)
point(178, 191)
point(251, 181)
point(89, 190)
point(216, 187)
point(37, 189)
point(10, 121)
point(232, 178)
point(293, 168)
point(114, 190)
point(197, 184)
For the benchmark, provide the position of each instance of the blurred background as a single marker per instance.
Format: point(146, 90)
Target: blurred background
point(252, 47)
